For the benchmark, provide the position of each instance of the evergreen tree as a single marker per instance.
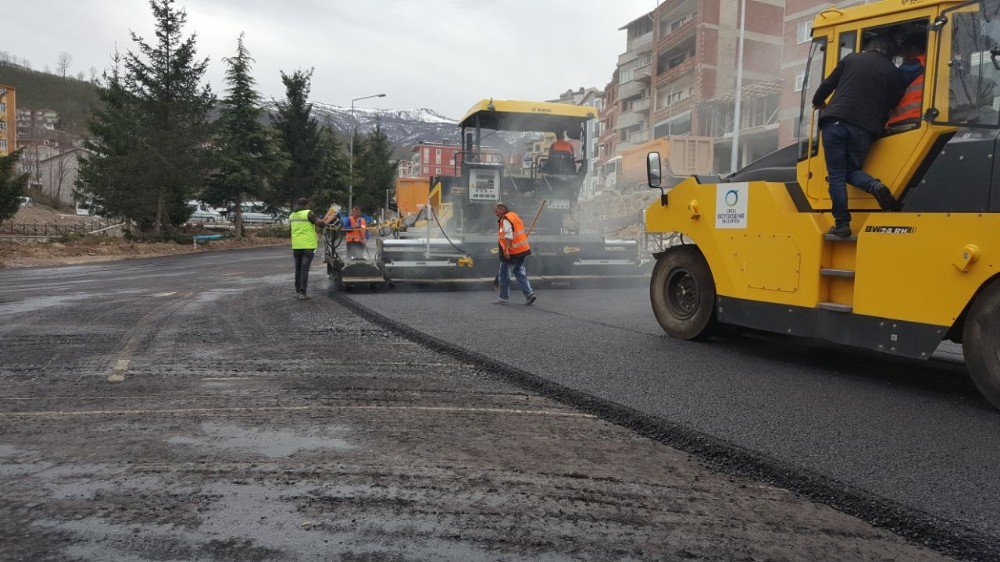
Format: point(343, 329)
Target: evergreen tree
point(106, 176)
point(12, 185)
point(300, 139)
point(333, 177)
point(162, 110)
point(375, 170)
point(247, 158)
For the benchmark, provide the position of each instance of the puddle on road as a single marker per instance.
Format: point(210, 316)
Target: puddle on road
point(271, 444)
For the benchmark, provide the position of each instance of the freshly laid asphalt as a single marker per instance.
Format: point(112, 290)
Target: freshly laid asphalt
point(909, 435)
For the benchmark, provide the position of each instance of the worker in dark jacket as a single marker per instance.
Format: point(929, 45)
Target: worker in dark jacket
point(865, 87)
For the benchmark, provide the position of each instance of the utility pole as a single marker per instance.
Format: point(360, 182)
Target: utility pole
point(734, 156)
point(354, 133)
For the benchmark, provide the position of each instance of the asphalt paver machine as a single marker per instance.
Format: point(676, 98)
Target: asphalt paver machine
point(752, 249)
point(454, 237)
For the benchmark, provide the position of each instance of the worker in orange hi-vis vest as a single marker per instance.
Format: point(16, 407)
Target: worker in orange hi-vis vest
point(357, 234)
point(513, 242)
point(910, 108)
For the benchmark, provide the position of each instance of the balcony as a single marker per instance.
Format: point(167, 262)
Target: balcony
point(677, 72)
point(631, 119)
point(636, 47)
point(634, 139)
point(642, 43)
point(675, 37)
point(633, 89)
point(640, 105)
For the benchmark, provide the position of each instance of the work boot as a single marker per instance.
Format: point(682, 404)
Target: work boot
point(843, 231)
point(531, 299)
point(885, 199)
point(501, 301)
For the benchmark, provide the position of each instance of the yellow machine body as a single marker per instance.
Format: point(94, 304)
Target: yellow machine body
point(904, 283)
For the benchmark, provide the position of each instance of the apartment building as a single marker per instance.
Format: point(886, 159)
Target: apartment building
point(798, 20)
point(431, 159)
point(678, 77)
point(37, 118)
point(8, 120)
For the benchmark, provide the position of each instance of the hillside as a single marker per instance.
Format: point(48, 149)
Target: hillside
point(71, 98)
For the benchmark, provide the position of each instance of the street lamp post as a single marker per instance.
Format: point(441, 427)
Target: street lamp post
point(354, 132)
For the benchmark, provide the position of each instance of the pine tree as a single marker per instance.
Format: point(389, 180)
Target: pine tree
point(247, 157)
point(12, 185)
point(161, 109)
point(333, 184)
point(376, 170)
point(299, 136)
point(106, 177)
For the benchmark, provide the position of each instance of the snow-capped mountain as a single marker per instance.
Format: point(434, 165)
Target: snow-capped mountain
point(406, 127)
point(403, 126)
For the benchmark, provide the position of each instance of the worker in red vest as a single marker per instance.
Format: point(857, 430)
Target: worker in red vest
point(357, 234)
point(909, 109)
point(513, 241)
point(561, 158)
point(561, 144)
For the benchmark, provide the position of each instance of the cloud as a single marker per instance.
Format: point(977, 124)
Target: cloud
point(440, 54)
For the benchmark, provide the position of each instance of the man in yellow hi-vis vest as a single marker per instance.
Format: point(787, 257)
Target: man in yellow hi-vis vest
point(303, 224)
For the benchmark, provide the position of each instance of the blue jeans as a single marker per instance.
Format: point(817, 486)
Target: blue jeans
point(516, 264)
point(846, 147)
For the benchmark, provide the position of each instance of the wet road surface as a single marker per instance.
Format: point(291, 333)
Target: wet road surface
point(189, 408)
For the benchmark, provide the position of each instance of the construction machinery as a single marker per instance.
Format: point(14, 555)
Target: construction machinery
point(452, 236)
point(752, 249)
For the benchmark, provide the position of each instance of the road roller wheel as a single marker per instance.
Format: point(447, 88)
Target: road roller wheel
point(682, 293)
point(981, 343)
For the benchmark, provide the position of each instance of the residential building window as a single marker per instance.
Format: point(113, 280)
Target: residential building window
point(805, 31)
point(3, 108)
point(437, 171)
point(3, 144)
point(437, 154)
point(427, 156)
point(800, 79)
point(427, 169)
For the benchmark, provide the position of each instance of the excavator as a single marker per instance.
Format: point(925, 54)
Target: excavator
point(452, 238)
point(752, 249)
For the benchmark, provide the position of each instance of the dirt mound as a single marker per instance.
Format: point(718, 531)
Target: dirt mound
point(99, 249)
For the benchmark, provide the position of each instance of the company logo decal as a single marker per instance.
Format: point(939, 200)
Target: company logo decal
point(731, 205)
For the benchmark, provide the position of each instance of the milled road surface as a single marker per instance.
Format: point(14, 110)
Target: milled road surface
point(891, 438)
point(188, 408)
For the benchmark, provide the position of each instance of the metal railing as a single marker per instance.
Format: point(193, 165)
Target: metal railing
point(47, 229)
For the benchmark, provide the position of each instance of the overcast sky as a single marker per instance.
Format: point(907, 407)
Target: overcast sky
point(439, 54)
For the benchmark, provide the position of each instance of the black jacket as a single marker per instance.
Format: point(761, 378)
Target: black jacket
point(865, 86)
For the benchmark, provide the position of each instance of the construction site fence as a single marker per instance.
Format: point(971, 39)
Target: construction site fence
point(48, 229)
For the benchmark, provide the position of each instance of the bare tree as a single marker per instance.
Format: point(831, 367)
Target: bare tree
point(62, 63)
point(93, 74)
point(58, 172)
point(6, 59)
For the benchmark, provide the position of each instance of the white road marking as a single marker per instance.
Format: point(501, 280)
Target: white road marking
point(160, 295)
